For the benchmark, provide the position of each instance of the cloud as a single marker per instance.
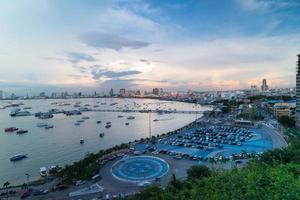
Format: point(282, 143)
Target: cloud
point(108, 41)
point(75, 57)
point(265, 5)
point(30, 77)
point(97, 74)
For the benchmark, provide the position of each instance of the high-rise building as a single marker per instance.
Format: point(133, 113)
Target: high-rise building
point(155, 91)
point(254, 90)
point(1, 94)
point(264, 86)
point(297, 116)
point(111, 92)
point(122, 91)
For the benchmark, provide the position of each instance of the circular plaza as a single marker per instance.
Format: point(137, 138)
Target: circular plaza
point(137, 169)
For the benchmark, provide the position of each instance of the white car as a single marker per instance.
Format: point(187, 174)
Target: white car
point(80, 182)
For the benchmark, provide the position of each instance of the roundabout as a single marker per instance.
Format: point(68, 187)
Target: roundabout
point(139, 169)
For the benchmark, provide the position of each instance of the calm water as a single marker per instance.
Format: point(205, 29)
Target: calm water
point(60, 146)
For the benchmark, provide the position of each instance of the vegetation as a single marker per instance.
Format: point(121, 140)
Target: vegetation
point(264, 97)
point(287, 121)
point(274, 175)
point(88, 167)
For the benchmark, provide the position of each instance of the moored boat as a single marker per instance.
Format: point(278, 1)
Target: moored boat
point(43, 171)
point(22, 132)
point(11, 129)
point(18, 157)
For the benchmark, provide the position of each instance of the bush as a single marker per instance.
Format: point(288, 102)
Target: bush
point(198, 171)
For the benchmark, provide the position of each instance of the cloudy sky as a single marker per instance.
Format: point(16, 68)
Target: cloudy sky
point(176, 45)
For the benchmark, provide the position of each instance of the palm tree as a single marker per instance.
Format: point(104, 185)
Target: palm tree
point(5, 185)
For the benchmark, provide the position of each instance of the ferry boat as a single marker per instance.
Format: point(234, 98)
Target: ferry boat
point(11, 129)
point(22, 132)
point(43, 171)
point(18, 157)
point(17, 113)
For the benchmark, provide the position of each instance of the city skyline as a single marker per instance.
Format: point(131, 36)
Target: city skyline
point(199, 45)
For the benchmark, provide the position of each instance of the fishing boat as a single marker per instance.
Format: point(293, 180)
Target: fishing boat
point(101, 135)
point(11, 129)
point(22, 132)
point(18, 157)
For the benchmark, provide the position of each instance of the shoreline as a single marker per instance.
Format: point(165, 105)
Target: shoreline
point(35, 182)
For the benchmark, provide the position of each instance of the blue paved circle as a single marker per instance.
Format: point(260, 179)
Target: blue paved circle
point(139, 168)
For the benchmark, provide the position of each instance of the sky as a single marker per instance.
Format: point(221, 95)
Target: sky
point(95, 45)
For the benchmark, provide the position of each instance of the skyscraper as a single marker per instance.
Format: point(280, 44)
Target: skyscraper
point(111, 92)
point(264, 86)
point(122, 91)
point(297, 116)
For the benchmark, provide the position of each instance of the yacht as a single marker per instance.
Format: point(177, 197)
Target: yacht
point(43, 171)
point(18, 157)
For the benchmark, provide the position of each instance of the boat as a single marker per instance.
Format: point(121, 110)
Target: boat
point(41, 125)
point(101, 135)
point(43, 171)
point(99, 122)
point(22, 132)
point(120, 116)
point(11, 129)
point(127, 123)
point(80, 121)
point(18, 157)
point(18, 113)
point(77, 124)
point(108, 122)
point(156, 120)
point(27, 108)
point(46, 115)
point(49, 126)
point(131, 117)
point(81, 141)
point(85, 117)
point(107, 126)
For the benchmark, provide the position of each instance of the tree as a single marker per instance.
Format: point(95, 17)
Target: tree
point(198, 171)
point(287, 121)
point(5, 185)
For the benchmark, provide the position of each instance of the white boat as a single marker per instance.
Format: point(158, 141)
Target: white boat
point(43, 171)
point(41, 125)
